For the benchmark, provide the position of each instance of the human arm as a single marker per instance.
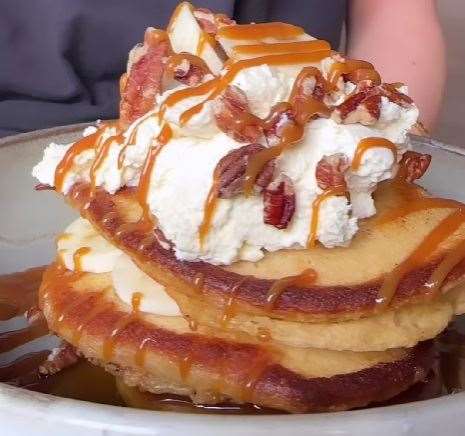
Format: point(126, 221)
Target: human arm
point(404, 40)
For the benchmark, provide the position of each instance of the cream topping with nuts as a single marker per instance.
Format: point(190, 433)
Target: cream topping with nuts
point(253, 147)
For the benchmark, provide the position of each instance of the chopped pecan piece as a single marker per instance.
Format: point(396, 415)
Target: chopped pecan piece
point(413, 165)
point(362, 107)
point(279, 202)
point(144, 77)
point(281, 119)
point(43, 187)
point(394, 95)
point(186, 68)
point(232, 170)
point(34, 315)
point(233, 117)
point(330, 171)
point(60, 358)
point(364, 104)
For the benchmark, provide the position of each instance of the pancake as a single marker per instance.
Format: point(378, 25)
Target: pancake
point(161, 354)
point(350, 280)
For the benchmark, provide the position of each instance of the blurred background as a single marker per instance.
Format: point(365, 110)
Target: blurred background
point(451, 125)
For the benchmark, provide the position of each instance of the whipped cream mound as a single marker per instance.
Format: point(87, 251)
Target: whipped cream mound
point(102, 257)
point(183, 172)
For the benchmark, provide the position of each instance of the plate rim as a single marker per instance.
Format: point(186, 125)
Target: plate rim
point(132, 418)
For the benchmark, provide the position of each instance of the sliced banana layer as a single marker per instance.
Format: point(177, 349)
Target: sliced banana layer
point(129, 279)
point(81, 244)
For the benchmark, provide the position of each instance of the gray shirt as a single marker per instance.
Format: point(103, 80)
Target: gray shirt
point(60, 60)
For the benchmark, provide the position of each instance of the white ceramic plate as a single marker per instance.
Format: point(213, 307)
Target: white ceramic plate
point(28, 224)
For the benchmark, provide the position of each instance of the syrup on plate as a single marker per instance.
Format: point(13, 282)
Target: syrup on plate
point(20, 359)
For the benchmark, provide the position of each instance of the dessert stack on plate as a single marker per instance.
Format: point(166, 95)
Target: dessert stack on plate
point(250, 228)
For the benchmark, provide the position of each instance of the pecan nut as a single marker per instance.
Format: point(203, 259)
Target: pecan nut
point(413, 165)
point(232, 170)
point(144, 79)
point(233, 116)
point(330, 171)
point(279, 202)
point(60, 358)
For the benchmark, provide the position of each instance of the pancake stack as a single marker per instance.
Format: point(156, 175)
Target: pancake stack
point(300, 330)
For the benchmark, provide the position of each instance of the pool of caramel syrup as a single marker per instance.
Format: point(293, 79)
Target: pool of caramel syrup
point(83, 381)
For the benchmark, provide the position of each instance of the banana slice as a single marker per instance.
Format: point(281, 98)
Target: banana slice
point(186, 35)
point(129, 279)
point(258, 34)
point(95, 255)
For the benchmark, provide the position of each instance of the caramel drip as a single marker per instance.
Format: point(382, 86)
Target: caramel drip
point(204, 40)
point(410, 206)
point(229, 309)
point(136, 301)
point(420, 255)
point(193, 324)
point(316, 205)
point(304, 279)
point(364, 74)
point(185, 367)
point(282, 48)
point(146, 175)
point(209, 208)
point(199, 280)
point(350, 66)
point(141, 353)
point(131, 139)
point(220, 83)
point(182, 94)
point(109, 343)
point(451, 260)
point(65, 165)
point(177, 58)
point(153, 37)
point(259, 31)
point(251, 381)
point(100, 157)
point(372, 142)
point(77, 257)
point(291, 134)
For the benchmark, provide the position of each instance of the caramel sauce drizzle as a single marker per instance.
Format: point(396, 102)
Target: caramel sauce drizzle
point(185, 367)
point(316, 205)
point(132, 139)
point(141, 353)
point(146, 175)
point(350, 66)
point(304, 279)
point(204, 40)
point(87, 143)
point(420, 255)
point(229, 309)
point(264, 49)
point(220, 83)
point(100, 157)
point(136, 301)
point(368, 143)
point(209, 208)
point(177, 58)
point(275, 30)
point(77, 257)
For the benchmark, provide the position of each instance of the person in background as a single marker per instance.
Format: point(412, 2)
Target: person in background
point(60, 60)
